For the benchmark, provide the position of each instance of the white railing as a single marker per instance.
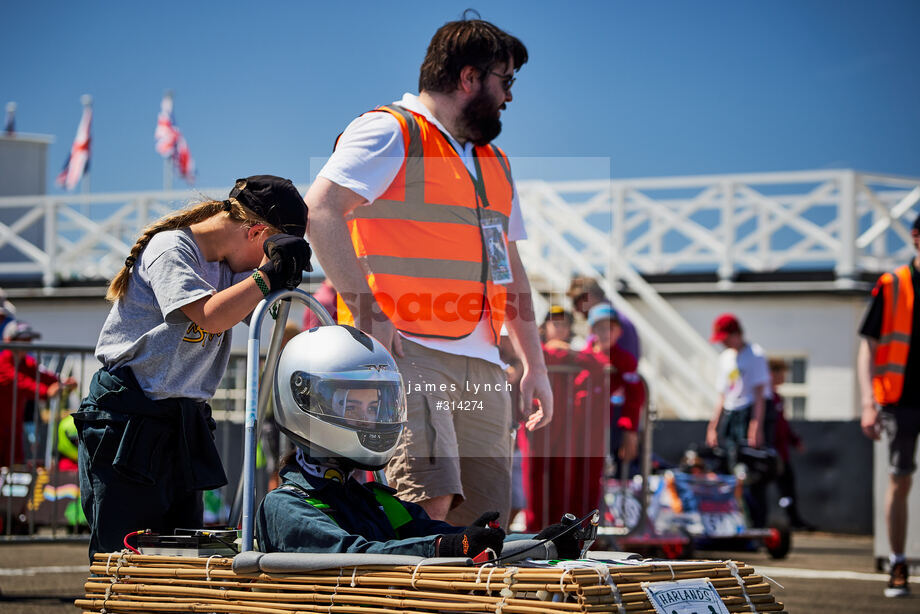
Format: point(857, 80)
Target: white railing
point(619, 230)
point(76, 238)
point(838, 220)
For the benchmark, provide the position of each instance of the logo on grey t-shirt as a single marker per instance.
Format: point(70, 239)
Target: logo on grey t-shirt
point(196, 334)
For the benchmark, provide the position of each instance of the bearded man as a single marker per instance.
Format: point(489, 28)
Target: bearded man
point(414, 220)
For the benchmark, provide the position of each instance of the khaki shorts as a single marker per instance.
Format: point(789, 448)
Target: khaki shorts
point(458, 439)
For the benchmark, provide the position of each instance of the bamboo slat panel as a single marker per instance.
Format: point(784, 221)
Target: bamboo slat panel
point(130, 583)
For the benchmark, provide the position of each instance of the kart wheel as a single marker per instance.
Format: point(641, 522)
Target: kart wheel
point(778, 542)
point(673, 551)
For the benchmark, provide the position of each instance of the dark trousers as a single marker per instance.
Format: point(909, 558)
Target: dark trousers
point(785, 483)
point(733, 428)
point(116, 505)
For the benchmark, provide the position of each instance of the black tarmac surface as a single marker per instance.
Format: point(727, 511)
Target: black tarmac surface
point(824, 573)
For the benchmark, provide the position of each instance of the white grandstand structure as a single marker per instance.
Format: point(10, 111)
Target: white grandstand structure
point(671, 252)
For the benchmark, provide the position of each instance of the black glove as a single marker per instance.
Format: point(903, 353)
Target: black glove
point(474, 539)
point(566, 545)
point(288, 257)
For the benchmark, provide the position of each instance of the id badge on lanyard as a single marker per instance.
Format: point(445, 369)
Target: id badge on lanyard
point(496, 244)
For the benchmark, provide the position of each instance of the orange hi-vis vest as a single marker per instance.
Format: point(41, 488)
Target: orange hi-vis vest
point(425, 243)
point(894, 342)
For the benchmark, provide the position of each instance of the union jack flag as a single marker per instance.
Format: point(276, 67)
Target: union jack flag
point(77, 163)
point(170, 143)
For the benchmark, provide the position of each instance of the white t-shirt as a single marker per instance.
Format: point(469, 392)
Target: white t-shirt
point(739, 373)
point(366, 160)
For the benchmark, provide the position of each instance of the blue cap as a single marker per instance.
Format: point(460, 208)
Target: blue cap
point(603, 311)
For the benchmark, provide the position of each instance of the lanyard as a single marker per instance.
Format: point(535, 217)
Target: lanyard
point(478, 184)
point(480, 189)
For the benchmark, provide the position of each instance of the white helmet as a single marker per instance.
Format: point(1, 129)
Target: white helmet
point(339, 394)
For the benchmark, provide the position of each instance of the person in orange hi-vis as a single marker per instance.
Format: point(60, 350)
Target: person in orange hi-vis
point(415, 219)
point(888, 365)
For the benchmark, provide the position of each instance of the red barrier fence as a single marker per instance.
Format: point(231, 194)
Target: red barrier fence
point(564, 461)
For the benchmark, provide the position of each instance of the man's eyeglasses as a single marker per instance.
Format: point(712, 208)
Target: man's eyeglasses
point(506, 80)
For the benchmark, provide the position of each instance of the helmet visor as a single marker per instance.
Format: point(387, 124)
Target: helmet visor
point(364, 399)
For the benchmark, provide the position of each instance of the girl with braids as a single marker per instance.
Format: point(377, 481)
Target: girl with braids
point(145, 442)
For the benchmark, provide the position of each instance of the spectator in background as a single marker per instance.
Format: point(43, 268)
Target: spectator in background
point(888, 365)
point(327, 297)
point(21, 376)
point(586, 293)
point(784, 436)
point(740, 417)
point(556, 330)
point(67, 441)
point(605, 350)
point(551, 484)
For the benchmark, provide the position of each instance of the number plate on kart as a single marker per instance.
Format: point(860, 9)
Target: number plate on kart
point(722, 524)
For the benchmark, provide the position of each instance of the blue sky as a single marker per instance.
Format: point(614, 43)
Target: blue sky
point(659, 88)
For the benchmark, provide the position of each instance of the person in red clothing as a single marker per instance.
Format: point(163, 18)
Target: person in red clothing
point(556, 330)
point(23, 378)
point(783, 438)
point(604, 323)
point(548, 469)
point(609, 373)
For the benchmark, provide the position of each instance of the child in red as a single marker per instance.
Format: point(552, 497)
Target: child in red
point(21, 372)
point(609, 374)
point(547, 468)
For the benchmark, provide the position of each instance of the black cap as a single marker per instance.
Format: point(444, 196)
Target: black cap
point(917, 224)
point(275, 200)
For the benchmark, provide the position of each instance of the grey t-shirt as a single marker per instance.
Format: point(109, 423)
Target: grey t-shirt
point(170, 355)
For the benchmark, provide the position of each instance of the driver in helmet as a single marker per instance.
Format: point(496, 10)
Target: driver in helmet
point(340, 398)
point(358, 404)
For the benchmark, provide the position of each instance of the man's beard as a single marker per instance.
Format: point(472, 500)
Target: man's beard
point(480, 119)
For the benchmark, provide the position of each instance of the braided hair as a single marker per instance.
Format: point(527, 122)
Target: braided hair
point(181, 219)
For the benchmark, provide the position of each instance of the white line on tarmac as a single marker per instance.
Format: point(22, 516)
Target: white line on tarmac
point(34, 571)
point(814, 574)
